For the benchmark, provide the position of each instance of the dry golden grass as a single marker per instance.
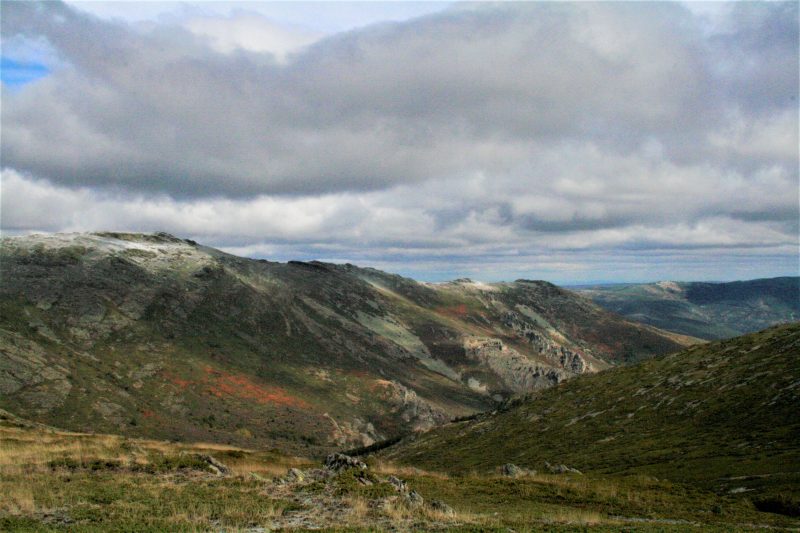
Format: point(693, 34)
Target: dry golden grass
point(572, 516)
point(26, 451)
point(384, 467)
point(17, 498)
point(358, 508)
point(245, 467)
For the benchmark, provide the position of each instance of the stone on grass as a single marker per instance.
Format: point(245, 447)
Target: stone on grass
point(340, 461)
point(440, 506)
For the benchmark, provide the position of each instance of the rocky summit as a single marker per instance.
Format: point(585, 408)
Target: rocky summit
point(153, 335)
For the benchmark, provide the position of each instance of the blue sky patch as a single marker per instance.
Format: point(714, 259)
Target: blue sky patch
point(17, 73)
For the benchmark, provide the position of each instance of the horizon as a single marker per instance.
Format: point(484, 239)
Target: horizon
point(579, 143)
point(440, 280)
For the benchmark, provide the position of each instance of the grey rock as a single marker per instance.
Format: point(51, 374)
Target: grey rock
point(414, 499)
point(440, 506)
point(398, 484)
point(511, 470)
point(340, 461)
point(295, 476)
point(561, 469)
point(214, 465)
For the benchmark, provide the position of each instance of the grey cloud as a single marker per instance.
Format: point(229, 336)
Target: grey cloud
point(502, 139)
point(474, 89)
point(378, 229)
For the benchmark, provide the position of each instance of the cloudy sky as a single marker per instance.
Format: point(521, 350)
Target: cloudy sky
point(573, 142)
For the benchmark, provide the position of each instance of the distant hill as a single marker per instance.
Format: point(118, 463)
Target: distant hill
point(723, 416)
point(156, 336)
point(704, 310)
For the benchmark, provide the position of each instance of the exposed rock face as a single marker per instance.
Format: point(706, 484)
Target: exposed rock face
point(518, 372)
point(26, 370)
point(352, 433)
point(413, 409)
point(570, 360)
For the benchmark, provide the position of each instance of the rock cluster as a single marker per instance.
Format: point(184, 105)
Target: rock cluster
point(340, 461)
point(215, 466)
point(561, 469)
point(512, 470)
point(519, 373)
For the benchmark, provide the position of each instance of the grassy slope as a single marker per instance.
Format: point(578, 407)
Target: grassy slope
point(149, 335)
point(705, 310)
point(58, 481)
point(720, 416)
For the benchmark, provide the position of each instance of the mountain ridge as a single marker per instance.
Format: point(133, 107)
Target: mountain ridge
point(707, 310)
point(152, 335)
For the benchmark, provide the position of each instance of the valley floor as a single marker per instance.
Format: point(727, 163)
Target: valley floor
point(59, 481)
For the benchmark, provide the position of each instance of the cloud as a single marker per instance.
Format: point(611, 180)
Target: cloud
point(403, 229)
point(252, 32)
point(483, 134)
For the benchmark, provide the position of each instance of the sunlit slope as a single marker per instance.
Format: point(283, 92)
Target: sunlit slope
point(724, 415)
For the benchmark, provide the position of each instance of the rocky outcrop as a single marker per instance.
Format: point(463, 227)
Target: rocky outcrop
point(561, 469)
point(569, 360)
point(214, 465)
point(339, 461)
point(516, 371)
point(26, 370)
point(413, 409)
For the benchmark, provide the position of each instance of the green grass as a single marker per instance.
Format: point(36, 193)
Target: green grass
point(720, 416)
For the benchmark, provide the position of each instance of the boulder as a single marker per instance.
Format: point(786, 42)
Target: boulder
point(398, 484)
point(441, 507)
point(295, 476)
point(511, 470)
point(340, 461)
point(214, 465)
point(414, 499)
point(561, 469)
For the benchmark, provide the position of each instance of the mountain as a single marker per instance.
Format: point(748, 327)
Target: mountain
point(156, 336)
point(704, 310)
point(720, 416)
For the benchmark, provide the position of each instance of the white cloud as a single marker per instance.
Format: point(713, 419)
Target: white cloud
point(252, 32)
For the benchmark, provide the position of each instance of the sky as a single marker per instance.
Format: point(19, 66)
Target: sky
point(572, 142)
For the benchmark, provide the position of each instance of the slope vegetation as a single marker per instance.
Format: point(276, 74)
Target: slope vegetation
point(705, 310)
point(152, 335)
point(722, 416)
point(52, 480)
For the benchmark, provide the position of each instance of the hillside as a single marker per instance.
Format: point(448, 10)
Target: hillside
point(704, 310)
point(151, 335)
point(52, 480)
point(721, 416)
